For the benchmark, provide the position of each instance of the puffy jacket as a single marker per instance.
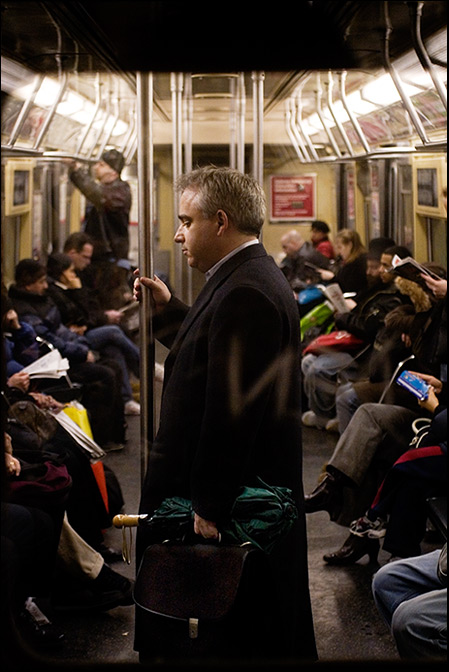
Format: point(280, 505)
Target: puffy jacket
point(43, 315)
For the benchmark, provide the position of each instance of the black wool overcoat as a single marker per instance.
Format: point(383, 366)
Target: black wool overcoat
point(230, 411)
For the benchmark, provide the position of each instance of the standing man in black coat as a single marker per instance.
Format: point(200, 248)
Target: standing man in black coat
point(231, 401)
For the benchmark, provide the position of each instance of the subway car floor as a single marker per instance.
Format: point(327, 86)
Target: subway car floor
point(347, 624)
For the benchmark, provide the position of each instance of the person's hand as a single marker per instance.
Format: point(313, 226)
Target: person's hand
point(79, 329)
point(205, 528)
point(46, 401)
point(325, 274)
point(11, 320)
point(113, 316)
point(350, 303)
point(19, 380)
point(431, 402)
point(160, 294)
point(438, 287)
point(12, 465)
point(430, 380)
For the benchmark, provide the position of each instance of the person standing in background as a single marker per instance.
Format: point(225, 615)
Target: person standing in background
point(107, 217)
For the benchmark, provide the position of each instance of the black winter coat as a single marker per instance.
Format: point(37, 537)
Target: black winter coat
point(230, 411)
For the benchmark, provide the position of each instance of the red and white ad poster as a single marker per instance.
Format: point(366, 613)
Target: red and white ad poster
point(292, 197)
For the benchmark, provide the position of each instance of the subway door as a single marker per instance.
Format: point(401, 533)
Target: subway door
point(399, 202)
point(51, 212)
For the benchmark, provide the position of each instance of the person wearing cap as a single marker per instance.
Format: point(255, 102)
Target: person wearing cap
point(107, 213)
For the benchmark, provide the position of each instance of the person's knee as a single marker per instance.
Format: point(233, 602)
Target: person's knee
point(381, 582)
point(405, 624)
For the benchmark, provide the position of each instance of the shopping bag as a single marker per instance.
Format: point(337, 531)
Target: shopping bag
point(78, 413)
point(336, 341)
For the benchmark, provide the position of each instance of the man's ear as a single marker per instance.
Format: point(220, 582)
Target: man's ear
point(222, 221)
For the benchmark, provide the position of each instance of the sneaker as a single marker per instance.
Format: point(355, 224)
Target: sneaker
point(132, 407)
point(333, 425)
point(311, 419)
point(36, 628)
point(364, 527)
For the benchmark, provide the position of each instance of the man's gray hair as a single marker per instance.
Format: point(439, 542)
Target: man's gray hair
point(238, 194)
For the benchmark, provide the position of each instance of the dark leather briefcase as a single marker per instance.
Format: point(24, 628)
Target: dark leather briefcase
point(203, 600)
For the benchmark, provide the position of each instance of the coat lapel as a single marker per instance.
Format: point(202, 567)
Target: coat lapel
point(209, 289)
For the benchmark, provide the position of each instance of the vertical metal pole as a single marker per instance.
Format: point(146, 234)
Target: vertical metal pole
point(233, 124)
point(258, 92)
point(176, 91)
point(145, 213)
point(188, 158)
point(241, 123)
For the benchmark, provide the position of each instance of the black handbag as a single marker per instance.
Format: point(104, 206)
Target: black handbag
point(197, 600)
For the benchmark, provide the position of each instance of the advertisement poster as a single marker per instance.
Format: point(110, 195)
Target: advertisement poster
point(292, 197)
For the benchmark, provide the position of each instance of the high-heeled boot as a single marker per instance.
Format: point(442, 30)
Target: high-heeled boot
point(327, 496)
point(353, 549)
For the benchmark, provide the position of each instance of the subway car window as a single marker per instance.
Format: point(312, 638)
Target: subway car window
point(125, 128)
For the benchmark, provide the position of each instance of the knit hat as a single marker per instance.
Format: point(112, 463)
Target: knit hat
point(114, 158)
point(28, 271)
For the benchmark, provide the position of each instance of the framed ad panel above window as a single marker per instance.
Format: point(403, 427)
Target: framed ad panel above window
point(292, 198)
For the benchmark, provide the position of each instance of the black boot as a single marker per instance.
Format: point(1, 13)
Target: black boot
point(327, 496)
point(353, 549)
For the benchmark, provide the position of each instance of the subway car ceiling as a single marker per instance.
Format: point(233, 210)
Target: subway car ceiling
point(338, 80)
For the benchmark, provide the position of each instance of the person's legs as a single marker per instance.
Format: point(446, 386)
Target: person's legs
point(320, 380)
point(346, 403)
point(369, 426)
point(413, 603)
point(403, 580)
point(111, 334)
point(419, 626)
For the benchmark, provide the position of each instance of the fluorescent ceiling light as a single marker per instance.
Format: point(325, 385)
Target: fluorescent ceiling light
point(383, 91)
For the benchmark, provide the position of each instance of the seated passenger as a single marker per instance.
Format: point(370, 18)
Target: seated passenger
point(101, 384)
point(319, 235)
point(350, 273)
point(411, 596)
point(66, 290)
point(349, 466)
point(79, 247)
point(398, 513)
point(324, 373)
point(301, 261)
point(401, 337)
